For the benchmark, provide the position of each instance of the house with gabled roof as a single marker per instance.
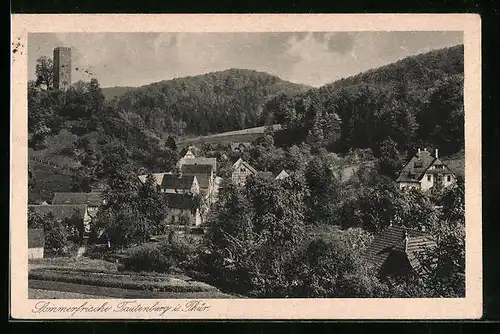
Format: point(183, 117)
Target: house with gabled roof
point(204, 174)
point(182, 209)
point(180, 184)
point(62, 212)
point(240, 171)
point(425, 171)
point(93, 200)
point(398, 251)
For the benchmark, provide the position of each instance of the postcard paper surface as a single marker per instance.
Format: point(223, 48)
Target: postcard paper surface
point(246, 167)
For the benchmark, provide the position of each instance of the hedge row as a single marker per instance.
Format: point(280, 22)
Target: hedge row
point(134, 282)
point(102, 271)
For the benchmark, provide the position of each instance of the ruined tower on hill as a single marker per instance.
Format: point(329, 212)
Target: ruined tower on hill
point(62, 68)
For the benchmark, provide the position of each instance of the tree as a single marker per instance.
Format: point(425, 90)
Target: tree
point(254, 232)
point(44, 73)
point(171, 144)
point(324, 192)
point(56, 233)
point(389, 158)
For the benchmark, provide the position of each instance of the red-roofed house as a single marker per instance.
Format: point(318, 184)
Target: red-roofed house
point(424, 171)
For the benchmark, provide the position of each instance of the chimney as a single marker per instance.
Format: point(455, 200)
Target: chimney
point(436, 154)
point(418, 153)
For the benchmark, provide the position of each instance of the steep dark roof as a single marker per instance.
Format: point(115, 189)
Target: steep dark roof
point(202, 173)
point(196, 168)
point(60, 211)
point(179, 201)
point(415, 169)
point(392, 239)
point(93, 198)
point(36, 238)
point(201, 161)
point(183, 182)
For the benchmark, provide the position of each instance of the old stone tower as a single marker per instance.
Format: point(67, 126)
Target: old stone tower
point(62, 68)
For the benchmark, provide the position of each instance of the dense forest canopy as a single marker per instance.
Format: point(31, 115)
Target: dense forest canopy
point(416, 102)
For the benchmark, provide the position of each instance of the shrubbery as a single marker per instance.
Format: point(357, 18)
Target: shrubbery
point(176, 252)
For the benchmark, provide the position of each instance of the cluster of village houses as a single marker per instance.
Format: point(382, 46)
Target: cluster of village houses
point(393, 251)
point(192, 176)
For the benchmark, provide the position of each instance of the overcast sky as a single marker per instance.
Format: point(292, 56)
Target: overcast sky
point(135, 59)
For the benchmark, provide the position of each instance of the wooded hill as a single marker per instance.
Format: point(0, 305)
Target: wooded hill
point(415, 102)
point(203, 104)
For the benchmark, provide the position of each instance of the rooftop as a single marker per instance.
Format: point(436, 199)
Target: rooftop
point(392, 239)
point(183, 182)
point(60, 211)
point(92, 199)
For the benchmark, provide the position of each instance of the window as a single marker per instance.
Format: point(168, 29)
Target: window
point(242, 170)
point(429, 177)
point(448, 178)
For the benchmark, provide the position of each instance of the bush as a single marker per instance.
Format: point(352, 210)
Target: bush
point(148, 258)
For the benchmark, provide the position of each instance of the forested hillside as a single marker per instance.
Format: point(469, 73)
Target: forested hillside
point(415, 102)
point(204, 104)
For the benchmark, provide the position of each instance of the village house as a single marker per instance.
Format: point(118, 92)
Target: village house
point(36, 243)
point(182, 210)
point(93, 200)
point(425, 171)
point(240, 171)
point(180, 184)
point(205, 176)
point(397, 251)
point(62, 212)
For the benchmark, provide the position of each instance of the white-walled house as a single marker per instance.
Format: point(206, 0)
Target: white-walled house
point(180, 205)
point(425, 171)
point(241, 170)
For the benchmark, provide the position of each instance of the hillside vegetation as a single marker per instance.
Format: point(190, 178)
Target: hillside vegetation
point(204, 104)
point(415, 102)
